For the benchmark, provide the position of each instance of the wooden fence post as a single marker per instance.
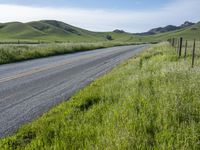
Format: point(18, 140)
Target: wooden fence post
point(193, 53)
point(185, 49)
point(173, 42)
point(180, 47)
point(177, 45)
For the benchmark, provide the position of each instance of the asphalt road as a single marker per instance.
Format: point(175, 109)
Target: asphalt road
point(30, 88)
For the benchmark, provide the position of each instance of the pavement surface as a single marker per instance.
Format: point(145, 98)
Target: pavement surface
point(30, 88)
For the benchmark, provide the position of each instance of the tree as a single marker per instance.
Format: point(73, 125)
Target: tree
point(109, 37)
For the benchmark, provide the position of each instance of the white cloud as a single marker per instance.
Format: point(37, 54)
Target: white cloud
point(107, 20)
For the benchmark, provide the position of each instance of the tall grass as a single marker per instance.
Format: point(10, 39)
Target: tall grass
point(18, 52)
point(149, 102)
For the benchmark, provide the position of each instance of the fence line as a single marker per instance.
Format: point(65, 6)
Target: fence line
point(178, 45)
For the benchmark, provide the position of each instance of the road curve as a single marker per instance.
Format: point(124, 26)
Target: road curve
point(30, 88)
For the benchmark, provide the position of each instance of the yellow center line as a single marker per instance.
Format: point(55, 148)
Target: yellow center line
point(37, 70)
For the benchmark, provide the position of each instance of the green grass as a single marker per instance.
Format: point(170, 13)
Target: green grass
point(149, 102)
point(19, 52)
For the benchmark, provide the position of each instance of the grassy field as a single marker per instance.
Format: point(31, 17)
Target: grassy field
point(19, 52)
point(149, 102)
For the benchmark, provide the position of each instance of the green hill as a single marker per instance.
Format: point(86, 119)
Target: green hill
point(52, 30)
point(17, 30)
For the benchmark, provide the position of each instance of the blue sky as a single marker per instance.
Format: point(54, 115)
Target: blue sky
point(99, 4)
point(103, 15)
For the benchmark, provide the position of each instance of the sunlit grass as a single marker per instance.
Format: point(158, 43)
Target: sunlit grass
point(19, 52)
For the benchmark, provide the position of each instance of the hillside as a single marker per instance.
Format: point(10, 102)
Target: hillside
point(190, 33)
point(52, 30)
point(167, 28)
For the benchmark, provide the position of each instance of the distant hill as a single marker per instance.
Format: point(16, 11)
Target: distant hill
point(119, 31)
point(167, 29)
point(56, 31)
point(52, 30)
point(190, 33)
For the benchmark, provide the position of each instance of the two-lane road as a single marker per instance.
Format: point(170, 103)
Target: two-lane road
point(30, 88)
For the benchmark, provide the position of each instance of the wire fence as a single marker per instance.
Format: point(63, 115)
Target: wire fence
point(186, 48)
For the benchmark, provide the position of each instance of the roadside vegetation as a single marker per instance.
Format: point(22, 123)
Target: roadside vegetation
point(149, 102)
point(19, 52)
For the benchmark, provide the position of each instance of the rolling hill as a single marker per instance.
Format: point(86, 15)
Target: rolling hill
point(52, 30)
